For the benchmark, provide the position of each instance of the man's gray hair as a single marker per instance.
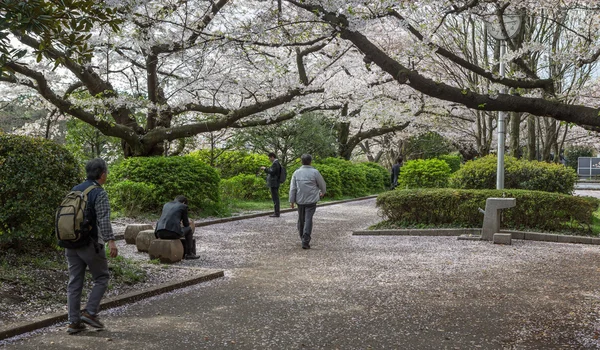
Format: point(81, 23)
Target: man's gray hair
point(306, 159)
point(95, 168)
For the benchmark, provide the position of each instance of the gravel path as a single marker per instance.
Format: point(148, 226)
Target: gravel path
point(360, 292)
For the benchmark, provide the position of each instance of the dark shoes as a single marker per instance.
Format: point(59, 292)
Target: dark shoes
point(191, 257)
point(75, 327)
point(93, 321)
point(305, 246)
point(274, 215)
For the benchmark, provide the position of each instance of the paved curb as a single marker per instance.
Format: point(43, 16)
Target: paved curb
point(419, 232)
point(127, 298)
point(473, 234)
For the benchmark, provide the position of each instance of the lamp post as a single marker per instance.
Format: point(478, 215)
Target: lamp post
point(512, 24)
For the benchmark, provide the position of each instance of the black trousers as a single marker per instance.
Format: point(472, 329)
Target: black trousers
point(275, 197)
point(187, 234)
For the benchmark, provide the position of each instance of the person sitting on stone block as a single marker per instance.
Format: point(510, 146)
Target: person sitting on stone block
point(175, 224)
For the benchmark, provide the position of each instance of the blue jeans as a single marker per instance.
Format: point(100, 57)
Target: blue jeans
point(78, 259)
point(305, 218)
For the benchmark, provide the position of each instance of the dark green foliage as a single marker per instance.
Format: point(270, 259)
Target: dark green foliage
point(521, 174)
point(354, 178)
point(133, 198)
point(245, 187)
point(535, 210)
point(35, 175)
point(424, 173)
point(572, 153)
point(172, 176)
point(233, 163)
point(384, 173)
point(332, 178)
point(376, 176)
point(426, 145)
point(454, 160)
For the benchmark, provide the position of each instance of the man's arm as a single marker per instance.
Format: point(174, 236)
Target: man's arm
point(184, 217)
point(321, 184)
point(293, 189)
point(103, 219)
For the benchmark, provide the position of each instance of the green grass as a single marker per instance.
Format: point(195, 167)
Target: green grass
point(596, 222)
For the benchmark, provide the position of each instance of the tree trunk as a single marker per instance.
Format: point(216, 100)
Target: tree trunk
point(515, 130)
point(531, 139)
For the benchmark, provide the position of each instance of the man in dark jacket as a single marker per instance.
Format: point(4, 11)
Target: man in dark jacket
point(273, 173)
point(92, 255)
point(396, 172)
point(175, 224)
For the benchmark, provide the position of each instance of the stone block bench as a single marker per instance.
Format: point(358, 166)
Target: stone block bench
point(491, 217)
point(132, 230)
point(143, 240)
point(166, 250)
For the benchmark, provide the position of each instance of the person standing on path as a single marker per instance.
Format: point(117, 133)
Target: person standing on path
point(306, 188)
point(92, 255)
point(396, 172)
point(273, 173)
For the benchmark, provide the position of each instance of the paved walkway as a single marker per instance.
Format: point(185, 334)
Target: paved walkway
point(357, 292)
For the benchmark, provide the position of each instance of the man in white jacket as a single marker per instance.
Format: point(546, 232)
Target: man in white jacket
point(306, 188)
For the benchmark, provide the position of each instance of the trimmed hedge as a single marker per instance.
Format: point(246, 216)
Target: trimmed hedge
point(534, 209)
point(171, 176)
point(453, 160)
point(233, 163)
point(353, 178)
point(332, 178)
point(35, 176)
point(518, 174)
point(132, 198)
point(245, 187)
point(376, 181)
point(424, 173)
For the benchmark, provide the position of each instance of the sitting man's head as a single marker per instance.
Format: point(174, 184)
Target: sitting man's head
point(181, 199)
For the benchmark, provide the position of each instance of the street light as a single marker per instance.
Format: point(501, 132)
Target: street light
point(512, 24)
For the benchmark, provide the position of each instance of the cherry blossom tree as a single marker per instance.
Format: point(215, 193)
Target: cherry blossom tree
point(533, 89)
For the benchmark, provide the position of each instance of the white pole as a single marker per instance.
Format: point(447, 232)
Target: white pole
point(501, 127)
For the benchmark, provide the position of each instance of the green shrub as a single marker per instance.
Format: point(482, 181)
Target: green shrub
point(375, 180)
point(332, 178)
point(518, 174)
point(424, 173)
point(172, 176)
point(245, 187)
point(572, 153)
point(133, 198)
point(383, 172)
point(233, 163)
point(454, 160)
point(35, 175)
point(354, 179)
point(534, 209)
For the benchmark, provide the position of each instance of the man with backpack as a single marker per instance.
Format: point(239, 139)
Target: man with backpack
point(85, 249)
point(275, 176)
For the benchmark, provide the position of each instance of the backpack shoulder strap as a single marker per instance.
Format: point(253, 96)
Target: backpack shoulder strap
point(89, 189)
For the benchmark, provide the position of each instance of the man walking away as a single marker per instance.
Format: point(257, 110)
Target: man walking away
point(306, 188)
point(175, 224)
point(396, 172)
point(91, 255)
point(273, 173)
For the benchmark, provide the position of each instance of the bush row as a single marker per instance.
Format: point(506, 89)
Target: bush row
point(518, 174)
point(35, 175)
point(534, 209)
point(154, 181)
